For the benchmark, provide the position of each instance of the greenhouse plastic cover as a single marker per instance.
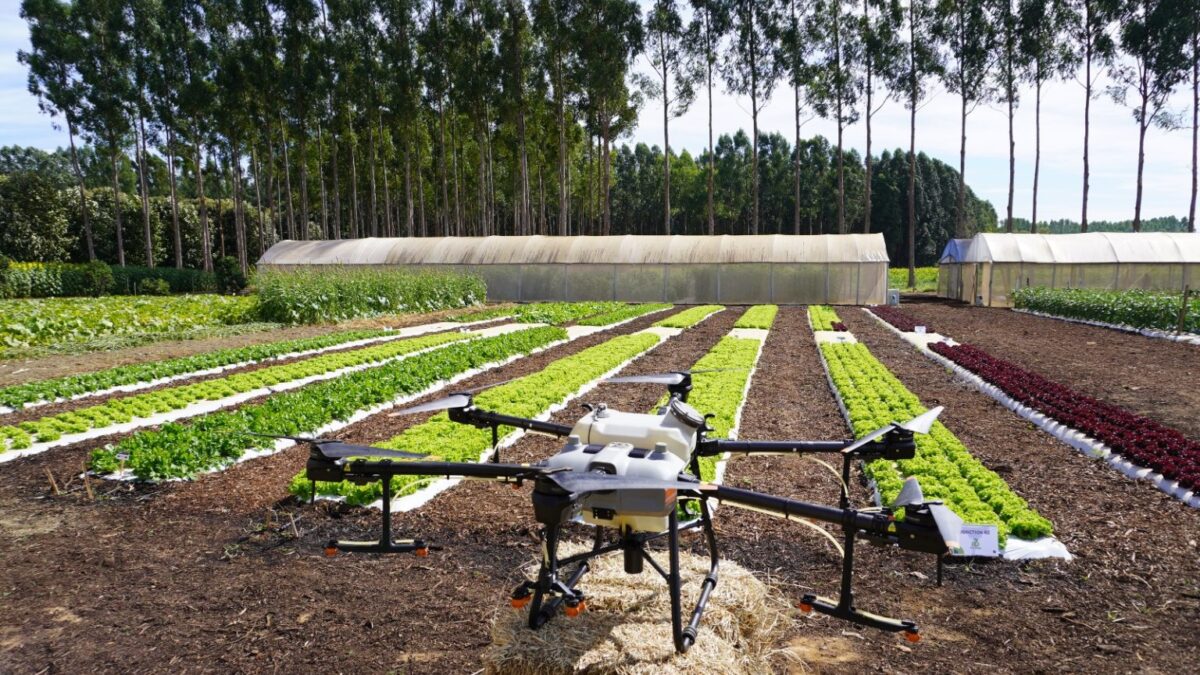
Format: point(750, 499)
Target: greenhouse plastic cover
point(1090, 247)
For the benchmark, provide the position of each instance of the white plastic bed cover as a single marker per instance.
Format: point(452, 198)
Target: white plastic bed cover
point(786, 269)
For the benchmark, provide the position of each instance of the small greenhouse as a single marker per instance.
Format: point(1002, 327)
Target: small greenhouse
point(783, 269)
point(986, 269)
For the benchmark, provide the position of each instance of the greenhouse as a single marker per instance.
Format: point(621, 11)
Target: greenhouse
point(782, 269)
point(986, 269)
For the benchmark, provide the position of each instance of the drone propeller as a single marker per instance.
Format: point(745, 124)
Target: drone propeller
point(920, 424)
point(909, 494)
point(949, 525)
point(671, 378)
point(333, 448)
point(458, 399)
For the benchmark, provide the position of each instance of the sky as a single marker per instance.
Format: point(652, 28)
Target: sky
point(1167, 179)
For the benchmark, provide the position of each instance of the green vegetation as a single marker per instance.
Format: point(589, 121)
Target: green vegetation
point(51, 280)
point(873, 397)
point(623, 314)
point(1139, 309)
point(55, 321)
point(927, 279)
point(529, 396)
point(313, 295)
point(17, 396)
point(123, 410)
point(824, 318)
point(758, 316)
point(553, 313)
point(720, 393)
point(689, 317)
point(213, 441)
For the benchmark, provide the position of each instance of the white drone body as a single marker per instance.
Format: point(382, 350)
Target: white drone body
point(654, 446)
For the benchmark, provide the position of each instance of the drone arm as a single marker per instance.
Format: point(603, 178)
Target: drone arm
point(486, 418)
point(720, 446)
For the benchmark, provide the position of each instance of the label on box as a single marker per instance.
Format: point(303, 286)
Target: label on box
point(979, 540)
point(919, 330)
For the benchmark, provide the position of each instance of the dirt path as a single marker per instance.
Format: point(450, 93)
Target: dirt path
point(1155, 378)
point(212, 572)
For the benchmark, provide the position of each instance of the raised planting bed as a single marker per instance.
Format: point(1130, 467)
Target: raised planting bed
point(530, 396)
point(1154, 311)
point(1161, 454)
point(217, 440)
point(872, 397)
point(220, 391)
point(759, 317)
point(623, 314)
point(689, 317)
point(553, 313)
point(897, 318)
point(824, 318)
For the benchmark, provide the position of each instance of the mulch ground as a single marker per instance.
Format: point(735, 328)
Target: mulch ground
point(225, 573)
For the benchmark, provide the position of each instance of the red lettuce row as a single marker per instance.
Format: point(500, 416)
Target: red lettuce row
point(1139, 439)
point(898, 318)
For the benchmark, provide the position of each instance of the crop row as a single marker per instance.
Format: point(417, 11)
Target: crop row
point(25, 323)
point(720, 392)
point(824, 318)
point(215, 440)
point(760, 317)
point(899, 319)
point(528, 397)
point(946, 470)
point(624, 314)
point(123, 410)
point(335, 293)
point(553, 313)
point(689, 317)
point(19, 395)
point(1137, 438)
point(1139, 309)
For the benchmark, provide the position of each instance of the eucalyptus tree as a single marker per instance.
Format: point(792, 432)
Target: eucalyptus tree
point(515, 57)
point(922, 59)
point(969, 33)
point(53, 58)
point(752, 68)
point(836, 82)
point(403, 87)
point(1152, 37)
point(708, 28)
point(1193, 7)
point(882, 54)
point(433, 56)
point(551, 21)
point(197, 94)
point(665, 51)
point(1090, 30)
point(1011, 65)
point(1042, 28)
point(795, 50)
point(298, 30)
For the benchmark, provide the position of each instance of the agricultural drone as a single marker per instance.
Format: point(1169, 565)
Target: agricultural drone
point(635, 478)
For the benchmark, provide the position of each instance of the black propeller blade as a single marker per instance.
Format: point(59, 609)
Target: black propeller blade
point(949, 525)
point(333, 448)
point(451, 401)
point(921, 424)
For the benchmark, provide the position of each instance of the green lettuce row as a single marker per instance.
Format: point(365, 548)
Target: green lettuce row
point(873, 397)
point(689, 317)
point(1137, 308)
point(720, 393)
point(822, 317)
point(529, 396)
point(553, 313)
point(19, 395)
point(759, 316)
point(122, 410)
point(215, 440)
point(623, 314)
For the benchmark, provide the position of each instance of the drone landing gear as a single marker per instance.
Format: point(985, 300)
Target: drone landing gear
point(385, 544)
point(546, 595)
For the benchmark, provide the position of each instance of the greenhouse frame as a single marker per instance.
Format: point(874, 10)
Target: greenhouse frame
point(846, 269)
point(986, 269)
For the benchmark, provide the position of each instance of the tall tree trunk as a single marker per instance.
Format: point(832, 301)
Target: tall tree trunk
point(337, 188)
point(258, 204)
point(1012, 164)
point(754, 121)
point(302, 147)
point(869, 67)
point(564, 227)
point(239, 215)
point(606, 163)
point(1195, 123)
point(445, 210)
point(176, 235)
point(212, 152)
point(1137, 204)
point(666, 137)
point(373, 202)
point(321, 174)
point(841, 161)
point(274, 206)
point(88, 239)
point(911, 243)
point(712, 161)
point(355, 219)
point(116, 188)
point(481, 183)
point(389, 229)
point(960, 210)
point(408, 194)
point(287, 174)
point(205, 236)
point(454, 168)
point(1087, 113)
point(796, 164)
point(1037, 148)
point(421, 190)
point(144, 190)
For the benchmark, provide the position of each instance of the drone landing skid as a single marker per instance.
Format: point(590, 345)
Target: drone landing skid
point(546, 595)
point(385, 543)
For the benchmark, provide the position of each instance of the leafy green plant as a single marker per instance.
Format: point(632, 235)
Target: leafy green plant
point(824, 318)
point(529, 396)
point(927, 279)
point(1139, 309)
point(553, 313)
point(218, 439)
point(324, 295)
point(623, 314)
point(946, 470)
point(760, 317)
point(229, 275)
point(155, 287)
point(689, 317)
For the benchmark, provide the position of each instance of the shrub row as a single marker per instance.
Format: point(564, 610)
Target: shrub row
point(529, 396)
point(899, 319)
point(824, 318)
point(761, 317)
point(122, 410)
point(945, 469)
point(20, 395)
point(316, 295)
point(1139, 439)
point(51, 280)
point(1139, 309)
point(213, 441)
point(623, 314)
point(689, 317)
